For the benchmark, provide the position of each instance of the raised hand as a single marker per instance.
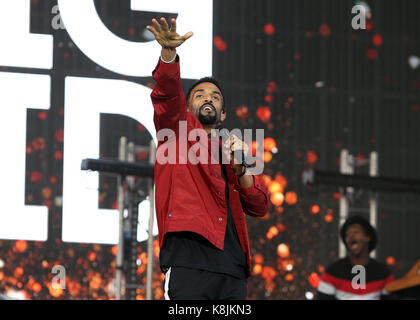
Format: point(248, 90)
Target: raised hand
point(167, 38)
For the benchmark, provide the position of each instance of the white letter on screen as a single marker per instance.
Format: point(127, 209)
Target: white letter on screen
point(19, 48)
point(96, 41)
point(18, 93)
point(85, 100)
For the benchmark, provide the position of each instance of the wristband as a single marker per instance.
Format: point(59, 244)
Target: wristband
point(168, 61)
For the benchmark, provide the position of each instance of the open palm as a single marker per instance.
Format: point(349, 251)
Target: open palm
point(167, 38)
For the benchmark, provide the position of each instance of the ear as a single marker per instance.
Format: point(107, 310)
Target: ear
point(187, 102)
point(223, 116)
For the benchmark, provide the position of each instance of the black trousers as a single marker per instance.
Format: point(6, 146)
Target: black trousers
point(193, 284)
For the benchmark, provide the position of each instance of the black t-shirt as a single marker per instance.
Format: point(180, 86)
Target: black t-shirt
point(337, 276)
point(191, 250)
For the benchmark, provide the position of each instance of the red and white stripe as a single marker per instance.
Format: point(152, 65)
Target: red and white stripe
point(343, 289)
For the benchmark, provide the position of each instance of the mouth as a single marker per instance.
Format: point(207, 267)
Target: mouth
point(208, 108)
point(353, 245)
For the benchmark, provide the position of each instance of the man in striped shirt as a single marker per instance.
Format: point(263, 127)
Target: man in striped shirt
point(357, 276)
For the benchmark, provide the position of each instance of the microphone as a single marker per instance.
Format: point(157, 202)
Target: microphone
point(237, 154)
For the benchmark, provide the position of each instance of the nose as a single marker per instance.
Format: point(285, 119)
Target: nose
point(208, 101)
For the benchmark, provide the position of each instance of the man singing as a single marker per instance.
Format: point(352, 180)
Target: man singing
point(357, 276)
point(200, 207)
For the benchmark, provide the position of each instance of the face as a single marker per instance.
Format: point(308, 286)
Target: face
point(356, 239)
point(206, 102)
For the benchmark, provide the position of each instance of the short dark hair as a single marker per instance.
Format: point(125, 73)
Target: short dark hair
point(367, 227)
point(211, 80)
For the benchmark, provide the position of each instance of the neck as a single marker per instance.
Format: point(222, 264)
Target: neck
point(361, 259)
point(208, 128)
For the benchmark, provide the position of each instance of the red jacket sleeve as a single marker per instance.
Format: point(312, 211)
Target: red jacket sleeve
point(254, 199)
point(167, 96)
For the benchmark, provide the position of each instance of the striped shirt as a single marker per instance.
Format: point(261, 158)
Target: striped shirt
point(344, 281)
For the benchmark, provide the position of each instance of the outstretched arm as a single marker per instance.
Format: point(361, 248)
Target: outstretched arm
point(167, 97)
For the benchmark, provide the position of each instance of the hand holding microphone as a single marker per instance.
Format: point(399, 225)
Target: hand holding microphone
point(238, 150)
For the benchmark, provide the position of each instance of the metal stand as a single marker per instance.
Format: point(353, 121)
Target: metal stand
point(373, 196)
point(348, 163)
point(346, 167)
point(133, 199)
point(150, 253)
point(130, 194)
point(119, 272)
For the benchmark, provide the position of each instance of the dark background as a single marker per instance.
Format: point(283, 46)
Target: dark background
point(327, 86)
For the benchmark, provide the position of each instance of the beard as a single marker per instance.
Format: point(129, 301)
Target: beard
point(208, 119)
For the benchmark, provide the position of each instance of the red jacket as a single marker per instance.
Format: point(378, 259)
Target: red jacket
point(191, 197)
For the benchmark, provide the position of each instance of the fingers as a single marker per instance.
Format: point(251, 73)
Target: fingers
point(235, 144)
point(165, 36)
point(187, 35)
point(156, 25)
point(152, 30)
point(173, 23)
point(233, 139)
point(237, 147)
point(230, 141)
point(165, 26)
